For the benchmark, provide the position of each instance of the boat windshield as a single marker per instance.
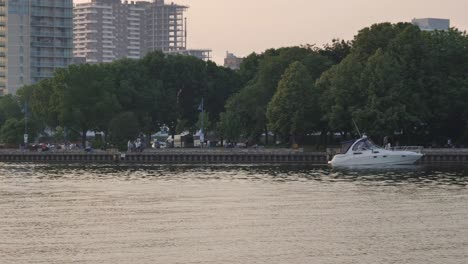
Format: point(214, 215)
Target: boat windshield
point(364, 144)
point(346, 145)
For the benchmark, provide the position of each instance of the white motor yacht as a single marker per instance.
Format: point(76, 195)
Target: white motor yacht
point(364, 152)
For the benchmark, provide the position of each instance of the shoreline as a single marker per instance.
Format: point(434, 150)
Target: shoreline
point(208, 156)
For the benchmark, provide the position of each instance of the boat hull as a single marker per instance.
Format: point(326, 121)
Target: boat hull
point(385, 158)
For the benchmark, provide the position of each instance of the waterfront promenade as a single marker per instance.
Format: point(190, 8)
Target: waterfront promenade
point(207, 156)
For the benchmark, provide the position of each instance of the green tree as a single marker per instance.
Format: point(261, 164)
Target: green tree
point(89, 101)
point(384, 110)
point(251, 102)
point(122, 128)
point(43, 100)
point(59, 135)
point(9, 108)
point(12, 131)
point(287, 111)
point(397, 77)
point(337, 51)
point(206, 124)
point(245, 106)
point(221, 83)
point(249, 67)
point(229, 127)
point(341, 93)
point(138, 89)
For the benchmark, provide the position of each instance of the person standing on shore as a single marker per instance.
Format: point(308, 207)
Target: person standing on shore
point(129, 146)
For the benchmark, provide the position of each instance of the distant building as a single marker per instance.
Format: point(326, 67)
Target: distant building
point(232, 62)
point(202, 54)
point(35, 39)
point(78, 60)
point(165, 26)
point(129, 30)
point(106, 30)
point(430, 24)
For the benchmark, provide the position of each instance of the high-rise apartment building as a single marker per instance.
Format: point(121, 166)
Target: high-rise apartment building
point(94, 32)
point(35, 39)
point(165, 26)
point(105, 30)
point(129, 25)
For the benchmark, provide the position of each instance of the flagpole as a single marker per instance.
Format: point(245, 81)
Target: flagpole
point(202, 121)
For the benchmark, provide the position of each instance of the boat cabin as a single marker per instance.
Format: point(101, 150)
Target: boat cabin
point(361, 144)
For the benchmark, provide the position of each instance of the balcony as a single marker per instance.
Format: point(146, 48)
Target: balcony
point(46, 54)
point(36, 13)
point(48, 65)
point(37, 33)
point(62, 4)
point(51, 24)
point(51, 45)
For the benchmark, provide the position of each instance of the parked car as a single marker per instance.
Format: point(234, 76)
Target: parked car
point(39, 147)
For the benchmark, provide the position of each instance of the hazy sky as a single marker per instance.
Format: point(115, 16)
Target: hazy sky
point(244, 26)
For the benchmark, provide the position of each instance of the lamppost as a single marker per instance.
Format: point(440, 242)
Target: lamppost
point(201, 108)
point(25, 123)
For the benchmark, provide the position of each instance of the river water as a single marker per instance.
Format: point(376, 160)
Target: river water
point(231, 214)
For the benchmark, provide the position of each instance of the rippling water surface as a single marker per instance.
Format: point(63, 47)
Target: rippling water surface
point(180, 214)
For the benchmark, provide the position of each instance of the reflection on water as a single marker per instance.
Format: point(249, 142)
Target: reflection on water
point(232, 214)
point(422, 175)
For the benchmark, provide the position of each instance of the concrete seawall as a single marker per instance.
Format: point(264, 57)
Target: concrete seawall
point(175, 156)
point(444, 156)
point(207, 156)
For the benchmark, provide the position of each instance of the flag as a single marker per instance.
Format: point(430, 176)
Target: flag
point(178, 95)
point(200, 107)
point(24, 109)
point(202, 137)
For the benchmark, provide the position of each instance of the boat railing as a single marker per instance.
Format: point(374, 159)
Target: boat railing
point(417, 149)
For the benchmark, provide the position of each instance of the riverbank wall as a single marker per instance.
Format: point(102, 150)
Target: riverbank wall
point(209, 156)
point(445, 156)
point(171, 156)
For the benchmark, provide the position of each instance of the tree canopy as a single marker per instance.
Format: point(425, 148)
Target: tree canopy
point(399, 78)
point(158, 90)
point(287, 110)
point(390, 80)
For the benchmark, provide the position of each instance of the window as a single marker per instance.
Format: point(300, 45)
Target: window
point(364, 144)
